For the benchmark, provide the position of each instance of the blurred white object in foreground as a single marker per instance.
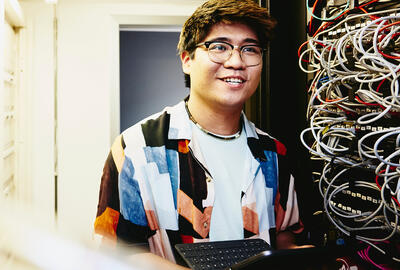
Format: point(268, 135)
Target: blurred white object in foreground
point(28, 244)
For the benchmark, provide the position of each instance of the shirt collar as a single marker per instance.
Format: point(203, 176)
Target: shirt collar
point(180, 127)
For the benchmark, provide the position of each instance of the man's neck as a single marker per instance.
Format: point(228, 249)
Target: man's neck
point(222, 121)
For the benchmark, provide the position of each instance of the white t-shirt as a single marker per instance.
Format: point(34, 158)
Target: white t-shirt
point(228, 162)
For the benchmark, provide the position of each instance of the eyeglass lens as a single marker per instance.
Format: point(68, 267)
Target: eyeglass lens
point(220, 52)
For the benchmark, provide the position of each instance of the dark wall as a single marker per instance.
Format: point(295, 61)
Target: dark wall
point(287, 82)
point(288, 99)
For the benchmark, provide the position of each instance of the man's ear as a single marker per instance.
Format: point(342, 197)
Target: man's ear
point(186, 62)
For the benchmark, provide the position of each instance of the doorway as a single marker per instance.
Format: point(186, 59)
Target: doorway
point(151, 76)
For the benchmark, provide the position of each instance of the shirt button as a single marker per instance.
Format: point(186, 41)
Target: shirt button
point(208, 179)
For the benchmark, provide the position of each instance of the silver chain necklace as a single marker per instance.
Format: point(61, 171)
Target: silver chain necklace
point(235, 136)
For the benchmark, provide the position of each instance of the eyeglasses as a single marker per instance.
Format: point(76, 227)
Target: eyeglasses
point(220, 52)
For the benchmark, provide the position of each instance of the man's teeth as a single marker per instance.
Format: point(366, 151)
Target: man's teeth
point(233, 80)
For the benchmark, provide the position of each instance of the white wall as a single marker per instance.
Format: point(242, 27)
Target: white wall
point(37, 115)
point(87, 93)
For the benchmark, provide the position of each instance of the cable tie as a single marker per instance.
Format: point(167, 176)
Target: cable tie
point(319, 212)
point(325, 130)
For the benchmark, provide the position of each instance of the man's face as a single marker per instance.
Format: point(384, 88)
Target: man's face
point(223, 85)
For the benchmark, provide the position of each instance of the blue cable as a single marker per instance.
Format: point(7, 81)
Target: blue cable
point(328, 19)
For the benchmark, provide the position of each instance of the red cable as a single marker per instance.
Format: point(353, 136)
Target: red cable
point(380, 187)
point(382, 53)
point(329, 23)
point(366, 103)
point(314, 6)
point(380, 84)
point(299, 51)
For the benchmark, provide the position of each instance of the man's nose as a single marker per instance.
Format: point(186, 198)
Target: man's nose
point(235, 60)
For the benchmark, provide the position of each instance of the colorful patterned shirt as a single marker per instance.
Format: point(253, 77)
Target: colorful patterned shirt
point(155, 187)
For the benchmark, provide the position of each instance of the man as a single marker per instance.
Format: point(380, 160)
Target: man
point(200, 171)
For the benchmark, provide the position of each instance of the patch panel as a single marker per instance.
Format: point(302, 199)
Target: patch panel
point(352, 61)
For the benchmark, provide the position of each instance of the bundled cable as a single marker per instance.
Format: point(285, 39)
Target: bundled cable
point(353, 61)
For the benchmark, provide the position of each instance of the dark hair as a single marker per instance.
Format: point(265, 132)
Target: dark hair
point(247, 12)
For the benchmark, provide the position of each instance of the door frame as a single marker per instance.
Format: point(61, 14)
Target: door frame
point(137, 22)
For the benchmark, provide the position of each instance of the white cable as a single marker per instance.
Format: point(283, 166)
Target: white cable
point(301, 66)
point(378, 115)
point(355, 90)
point(396, 153)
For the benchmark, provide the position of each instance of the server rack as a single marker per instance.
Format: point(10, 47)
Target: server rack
point(351, 59)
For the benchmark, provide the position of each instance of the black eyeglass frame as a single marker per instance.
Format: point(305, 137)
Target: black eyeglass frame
point(208, 43)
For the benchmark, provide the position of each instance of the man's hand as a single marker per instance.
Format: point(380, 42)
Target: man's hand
point(285, 240)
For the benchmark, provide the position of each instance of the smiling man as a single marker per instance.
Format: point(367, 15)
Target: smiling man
point(199, 170)
point(224, 73)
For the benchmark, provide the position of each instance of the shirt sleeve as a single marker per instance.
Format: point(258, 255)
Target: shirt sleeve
point(109, 222)
point(286, 205)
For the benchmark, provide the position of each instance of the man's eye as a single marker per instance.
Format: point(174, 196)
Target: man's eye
point(251, 50)
point(218, 47)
